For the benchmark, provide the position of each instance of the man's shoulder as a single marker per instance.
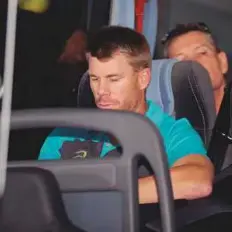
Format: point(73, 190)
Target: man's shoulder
point(68, 132)
point(159, 117)
point(178, 134)
point(163, 121)
point(155, 113)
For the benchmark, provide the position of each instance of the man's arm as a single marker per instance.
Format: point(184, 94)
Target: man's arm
point(191, 177)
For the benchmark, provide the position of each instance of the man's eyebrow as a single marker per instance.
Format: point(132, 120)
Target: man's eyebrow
point(195, 48)
point(107, 76)
point(113, 75)
point(200, 46)
point(204, 46)
point(92, 75)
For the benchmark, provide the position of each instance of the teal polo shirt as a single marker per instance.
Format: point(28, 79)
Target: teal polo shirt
point(179, 137)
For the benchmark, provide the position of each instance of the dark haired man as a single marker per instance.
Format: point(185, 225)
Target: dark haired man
point(120, 71)
point(194, 41)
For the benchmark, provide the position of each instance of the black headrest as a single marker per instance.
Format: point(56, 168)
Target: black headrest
point(193, 97)
point(32, 202)
point(85, 97)
point(229, 73)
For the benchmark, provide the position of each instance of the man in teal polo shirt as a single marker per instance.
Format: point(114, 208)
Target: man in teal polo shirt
point(120, 72)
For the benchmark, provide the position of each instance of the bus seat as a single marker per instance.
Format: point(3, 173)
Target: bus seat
point(216, 210)
point(85, 97)
point(160, 89)
point(183, 89)
point(101, 195)
point(150, 22)
point(123, 13)
point(220, 147)
point(229, 73)
point(33, 202)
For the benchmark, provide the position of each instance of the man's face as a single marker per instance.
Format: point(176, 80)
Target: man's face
point(197, 46)
point(115, 84)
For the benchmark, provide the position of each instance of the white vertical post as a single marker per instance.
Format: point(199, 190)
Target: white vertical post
point(8, 86)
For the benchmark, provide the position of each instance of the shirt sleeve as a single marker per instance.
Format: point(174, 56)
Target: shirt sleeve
point(181, 139)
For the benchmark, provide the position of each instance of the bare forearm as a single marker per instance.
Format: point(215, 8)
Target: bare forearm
point(188, 182)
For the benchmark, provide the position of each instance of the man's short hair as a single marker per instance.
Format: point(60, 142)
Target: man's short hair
point(182, 29)
point(107, 41)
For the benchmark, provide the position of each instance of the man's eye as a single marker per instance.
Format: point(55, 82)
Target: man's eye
point(94, 78)
point(202, 52)
point(114, 79)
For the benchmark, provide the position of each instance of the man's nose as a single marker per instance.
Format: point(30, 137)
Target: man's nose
point(103, 88)
point(188, 56)
point(182, 57)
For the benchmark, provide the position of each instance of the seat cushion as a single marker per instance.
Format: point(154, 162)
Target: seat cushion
point(32, 202)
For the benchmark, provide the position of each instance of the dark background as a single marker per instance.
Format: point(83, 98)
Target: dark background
point(39, 81)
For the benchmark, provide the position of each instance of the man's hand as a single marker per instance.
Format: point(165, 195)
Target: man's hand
point(75, 48)
point(191, 176)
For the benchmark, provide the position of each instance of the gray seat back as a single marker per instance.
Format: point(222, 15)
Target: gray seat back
point(32, 202)
point(193, 97)
point(116, 175)
point(183, 90)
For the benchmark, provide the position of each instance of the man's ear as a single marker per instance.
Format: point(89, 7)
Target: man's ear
point(222, 57)
point(144, 78)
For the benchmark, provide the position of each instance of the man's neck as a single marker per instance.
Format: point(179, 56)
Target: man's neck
point(141, 107)
point(218, 96)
